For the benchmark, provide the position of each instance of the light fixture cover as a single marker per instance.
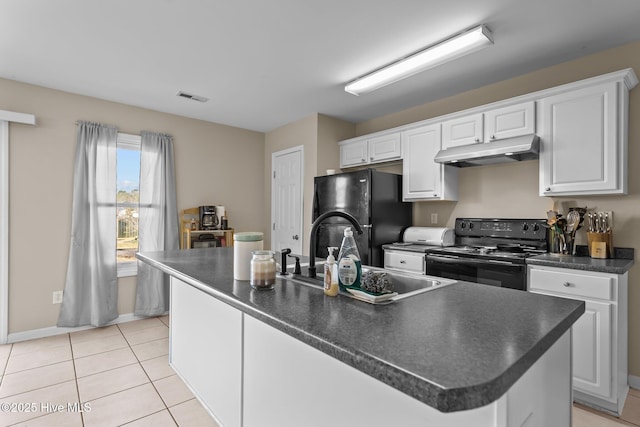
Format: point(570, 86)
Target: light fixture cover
point(455, 47)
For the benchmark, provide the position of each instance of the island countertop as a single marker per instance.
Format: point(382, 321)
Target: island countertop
point(454, 348)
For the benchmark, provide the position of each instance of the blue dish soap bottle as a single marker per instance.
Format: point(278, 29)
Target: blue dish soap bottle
point(349, 265)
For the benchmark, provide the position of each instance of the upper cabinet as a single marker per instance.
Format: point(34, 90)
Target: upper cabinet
point(462, 131)
point(422, 178)
point(582, 128)
point(499, 123)
point(353, 153)
point(367, 150)
point(510, 121)
point(584, 141)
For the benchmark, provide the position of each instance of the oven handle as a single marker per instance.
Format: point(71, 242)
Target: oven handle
point(456, 259)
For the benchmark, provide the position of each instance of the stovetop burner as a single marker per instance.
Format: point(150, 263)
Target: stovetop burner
point(490, 251)
point(498, 238)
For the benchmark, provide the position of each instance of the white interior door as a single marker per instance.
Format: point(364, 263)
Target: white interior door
point(286, 199)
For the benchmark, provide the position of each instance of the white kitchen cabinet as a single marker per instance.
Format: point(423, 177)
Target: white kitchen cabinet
point(422, 178)
point(584, 141)
point(599, 336)
point(354, 153)
point(463, 131)
point(510, 121)
point(384, 148)
point(370, 150)
point(289, 383)
point(494, 124)
point(206, 350)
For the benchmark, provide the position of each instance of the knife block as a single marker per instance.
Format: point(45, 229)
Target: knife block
point(600, 244)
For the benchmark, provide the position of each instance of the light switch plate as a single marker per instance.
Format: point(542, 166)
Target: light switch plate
point(434, 218)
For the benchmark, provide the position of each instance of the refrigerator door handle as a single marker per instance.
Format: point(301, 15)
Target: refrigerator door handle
point(367, 226)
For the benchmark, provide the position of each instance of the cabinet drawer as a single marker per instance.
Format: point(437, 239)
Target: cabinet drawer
point(405, 261)
point(572, 284)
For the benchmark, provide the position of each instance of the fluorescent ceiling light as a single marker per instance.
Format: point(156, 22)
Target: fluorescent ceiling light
point(455, 47)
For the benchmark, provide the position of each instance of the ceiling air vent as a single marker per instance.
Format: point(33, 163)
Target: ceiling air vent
point(193, 97)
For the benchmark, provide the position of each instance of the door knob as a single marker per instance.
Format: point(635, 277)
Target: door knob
point(295, 237)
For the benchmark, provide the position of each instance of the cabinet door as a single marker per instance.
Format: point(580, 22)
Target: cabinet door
point(462, 131)
point(509, 122)
point(581, 143)
point(421, 175)
point(353, 153)
point(386, 147)
point(206, 349)
point(592, 349)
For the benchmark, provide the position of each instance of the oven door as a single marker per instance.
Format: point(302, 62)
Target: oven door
point(504, 274)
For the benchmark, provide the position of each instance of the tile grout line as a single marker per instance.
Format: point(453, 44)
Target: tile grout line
point(75, 377)
point(150, 381)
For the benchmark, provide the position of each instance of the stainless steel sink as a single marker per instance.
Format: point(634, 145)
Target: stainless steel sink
point(405, 284)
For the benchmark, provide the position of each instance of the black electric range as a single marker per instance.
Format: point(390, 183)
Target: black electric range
point(490, 251)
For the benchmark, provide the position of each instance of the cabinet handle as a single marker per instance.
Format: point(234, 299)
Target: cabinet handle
point(493, 137)
point(547, 189)
point(477, 140)
point(403, 261)
point(296, 237)
point(371, 158)
point(566, 284)
point(364, 160)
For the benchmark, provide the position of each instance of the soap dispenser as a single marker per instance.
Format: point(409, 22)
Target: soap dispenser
point(331, 287)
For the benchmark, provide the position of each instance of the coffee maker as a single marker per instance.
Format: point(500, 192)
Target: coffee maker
point(208, 218)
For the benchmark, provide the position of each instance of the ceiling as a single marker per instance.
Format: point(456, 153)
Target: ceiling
point(263, 64)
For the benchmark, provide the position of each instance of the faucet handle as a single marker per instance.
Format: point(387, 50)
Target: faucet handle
point(296, 269)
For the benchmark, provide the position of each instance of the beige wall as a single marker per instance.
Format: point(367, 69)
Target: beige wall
point(511, 190)
point(319, 135)
point(208, 157)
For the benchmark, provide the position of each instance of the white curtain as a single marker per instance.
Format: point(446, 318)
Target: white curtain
point(158, 220)
point(91, 288)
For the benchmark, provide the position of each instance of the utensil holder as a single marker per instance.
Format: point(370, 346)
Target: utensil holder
point(600, 244)
point(560, 243)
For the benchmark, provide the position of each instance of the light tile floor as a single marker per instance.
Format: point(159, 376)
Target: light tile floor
point(122, 374)
point(111, 376)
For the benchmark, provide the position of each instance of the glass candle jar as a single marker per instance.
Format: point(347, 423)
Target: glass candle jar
point(263, 270)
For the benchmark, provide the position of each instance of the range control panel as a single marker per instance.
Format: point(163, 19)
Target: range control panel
point(534, 229)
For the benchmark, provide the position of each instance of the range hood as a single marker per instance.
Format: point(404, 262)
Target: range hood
point(502, 151)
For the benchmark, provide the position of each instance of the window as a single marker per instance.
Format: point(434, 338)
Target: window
point(127, 200)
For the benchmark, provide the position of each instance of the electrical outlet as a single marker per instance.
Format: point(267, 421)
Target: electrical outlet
point(57, 297)
point(434, 218)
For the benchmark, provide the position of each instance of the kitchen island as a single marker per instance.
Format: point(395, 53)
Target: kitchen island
point(463, 354)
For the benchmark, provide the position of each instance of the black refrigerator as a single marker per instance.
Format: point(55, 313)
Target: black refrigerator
point(374, 199)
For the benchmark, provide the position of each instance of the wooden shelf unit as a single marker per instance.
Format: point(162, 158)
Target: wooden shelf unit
point(187, 234)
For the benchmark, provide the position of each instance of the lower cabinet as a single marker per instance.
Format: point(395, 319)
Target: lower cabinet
point(206, 350)
point(599, 336)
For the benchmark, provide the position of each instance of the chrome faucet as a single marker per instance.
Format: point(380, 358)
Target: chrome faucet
point(314, 235)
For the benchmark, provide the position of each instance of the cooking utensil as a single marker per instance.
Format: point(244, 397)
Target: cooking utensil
point(573, 220)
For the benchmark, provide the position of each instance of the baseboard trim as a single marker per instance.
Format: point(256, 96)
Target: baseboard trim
point(55, 330)
point(634, 382)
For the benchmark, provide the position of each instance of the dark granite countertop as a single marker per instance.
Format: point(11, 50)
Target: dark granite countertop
point(454, 348)
point(585, 263)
